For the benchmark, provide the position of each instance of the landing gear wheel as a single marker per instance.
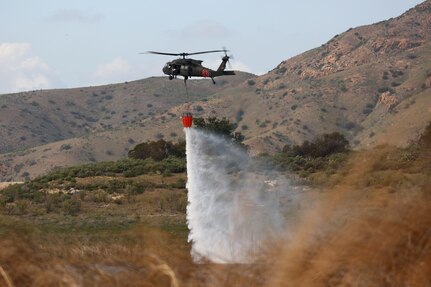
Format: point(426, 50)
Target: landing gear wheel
point(171, 77)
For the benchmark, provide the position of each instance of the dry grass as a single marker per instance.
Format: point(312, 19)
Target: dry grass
point(370, 228)
point(157, 259)
point(360, 233)
point(6, 278)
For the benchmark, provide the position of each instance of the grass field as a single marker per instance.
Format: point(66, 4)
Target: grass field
point(364, 221)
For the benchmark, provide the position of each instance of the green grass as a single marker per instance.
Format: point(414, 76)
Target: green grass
point(124, 167)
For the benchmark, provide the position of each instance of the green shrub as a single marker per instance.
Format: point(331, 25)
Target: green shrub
point(23, 206)
point(71, 206)
point(281, 70)
point(138, 187)
point(98, 196)
point(383, 89)
point(304, 166)
point(65, 147)
point(3, 200)
point(180, 183)
point(52, 202)
point(321, 146)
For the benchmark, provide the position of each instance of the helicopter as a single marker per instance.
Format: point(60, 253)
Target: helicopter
point(188, 67)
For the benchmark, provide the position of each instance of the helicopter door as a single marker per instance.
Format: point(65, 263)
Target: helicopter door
point(185, 70)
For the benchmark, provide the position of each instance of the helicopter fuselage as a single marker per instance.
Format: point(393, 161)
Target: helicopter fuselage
point(193, 68)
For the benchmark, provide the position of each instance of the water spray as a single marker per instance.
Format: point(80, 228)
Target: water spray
point(233, 207)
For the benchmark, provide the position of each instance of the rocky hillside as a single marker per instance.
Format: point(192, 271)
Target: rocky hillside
point(371, 83)
point(39, 117)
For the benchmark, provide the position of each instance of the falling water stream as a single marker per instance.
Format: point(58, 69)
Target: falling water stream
point(233, 207)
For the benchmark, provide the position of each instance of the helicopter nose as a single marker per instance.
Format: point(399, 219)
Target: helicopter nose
point(166, 70)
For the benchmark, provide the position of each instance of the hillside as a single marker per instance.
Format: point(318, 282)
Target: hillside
point(41, 130)
point(35, 118)
point(371, 83)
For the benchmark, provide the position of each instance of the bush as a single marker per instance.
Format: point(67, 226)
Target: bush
point(52, 202)
point(349, 125)
point(321, 146)
point(383, 89)
point(281, 70)
point(23, 205)
point(71, 206)
point(126, 167)
point(65, 147)
point(98, 196)
point(199, 109)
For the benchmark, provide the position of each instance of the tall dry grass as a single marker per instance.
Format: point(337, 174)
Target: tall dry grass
point(359, 234)
point(155, 259)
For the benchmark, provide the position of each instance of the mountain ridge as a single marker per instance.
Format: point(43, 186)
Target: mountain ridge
point(371, 83)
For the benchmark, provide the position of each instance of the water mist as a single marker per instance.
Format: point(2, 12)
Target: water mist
point(233, 204)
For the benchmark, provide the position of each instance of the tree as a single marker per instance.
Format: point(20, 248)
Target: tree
point(158, 150)
point(223, 127)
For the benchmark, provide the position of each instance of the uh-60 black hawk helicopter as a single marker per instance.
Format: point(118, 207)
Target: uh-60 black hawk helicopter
point(188, 68)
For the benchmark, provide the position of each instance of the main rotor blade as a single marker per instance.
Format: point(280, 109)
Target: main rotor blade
point(184, 54)
point(160, 53)
point(205, 52)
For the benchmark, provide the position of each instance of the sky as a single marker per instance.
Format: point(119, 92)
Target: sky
point(47, 44)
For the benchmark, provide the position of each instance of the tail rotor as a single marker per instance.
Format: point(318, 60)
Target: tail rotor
point(227, 57)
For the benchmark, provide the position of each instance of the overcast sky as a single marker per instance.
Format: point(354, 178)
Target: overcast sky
point(64, 44)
